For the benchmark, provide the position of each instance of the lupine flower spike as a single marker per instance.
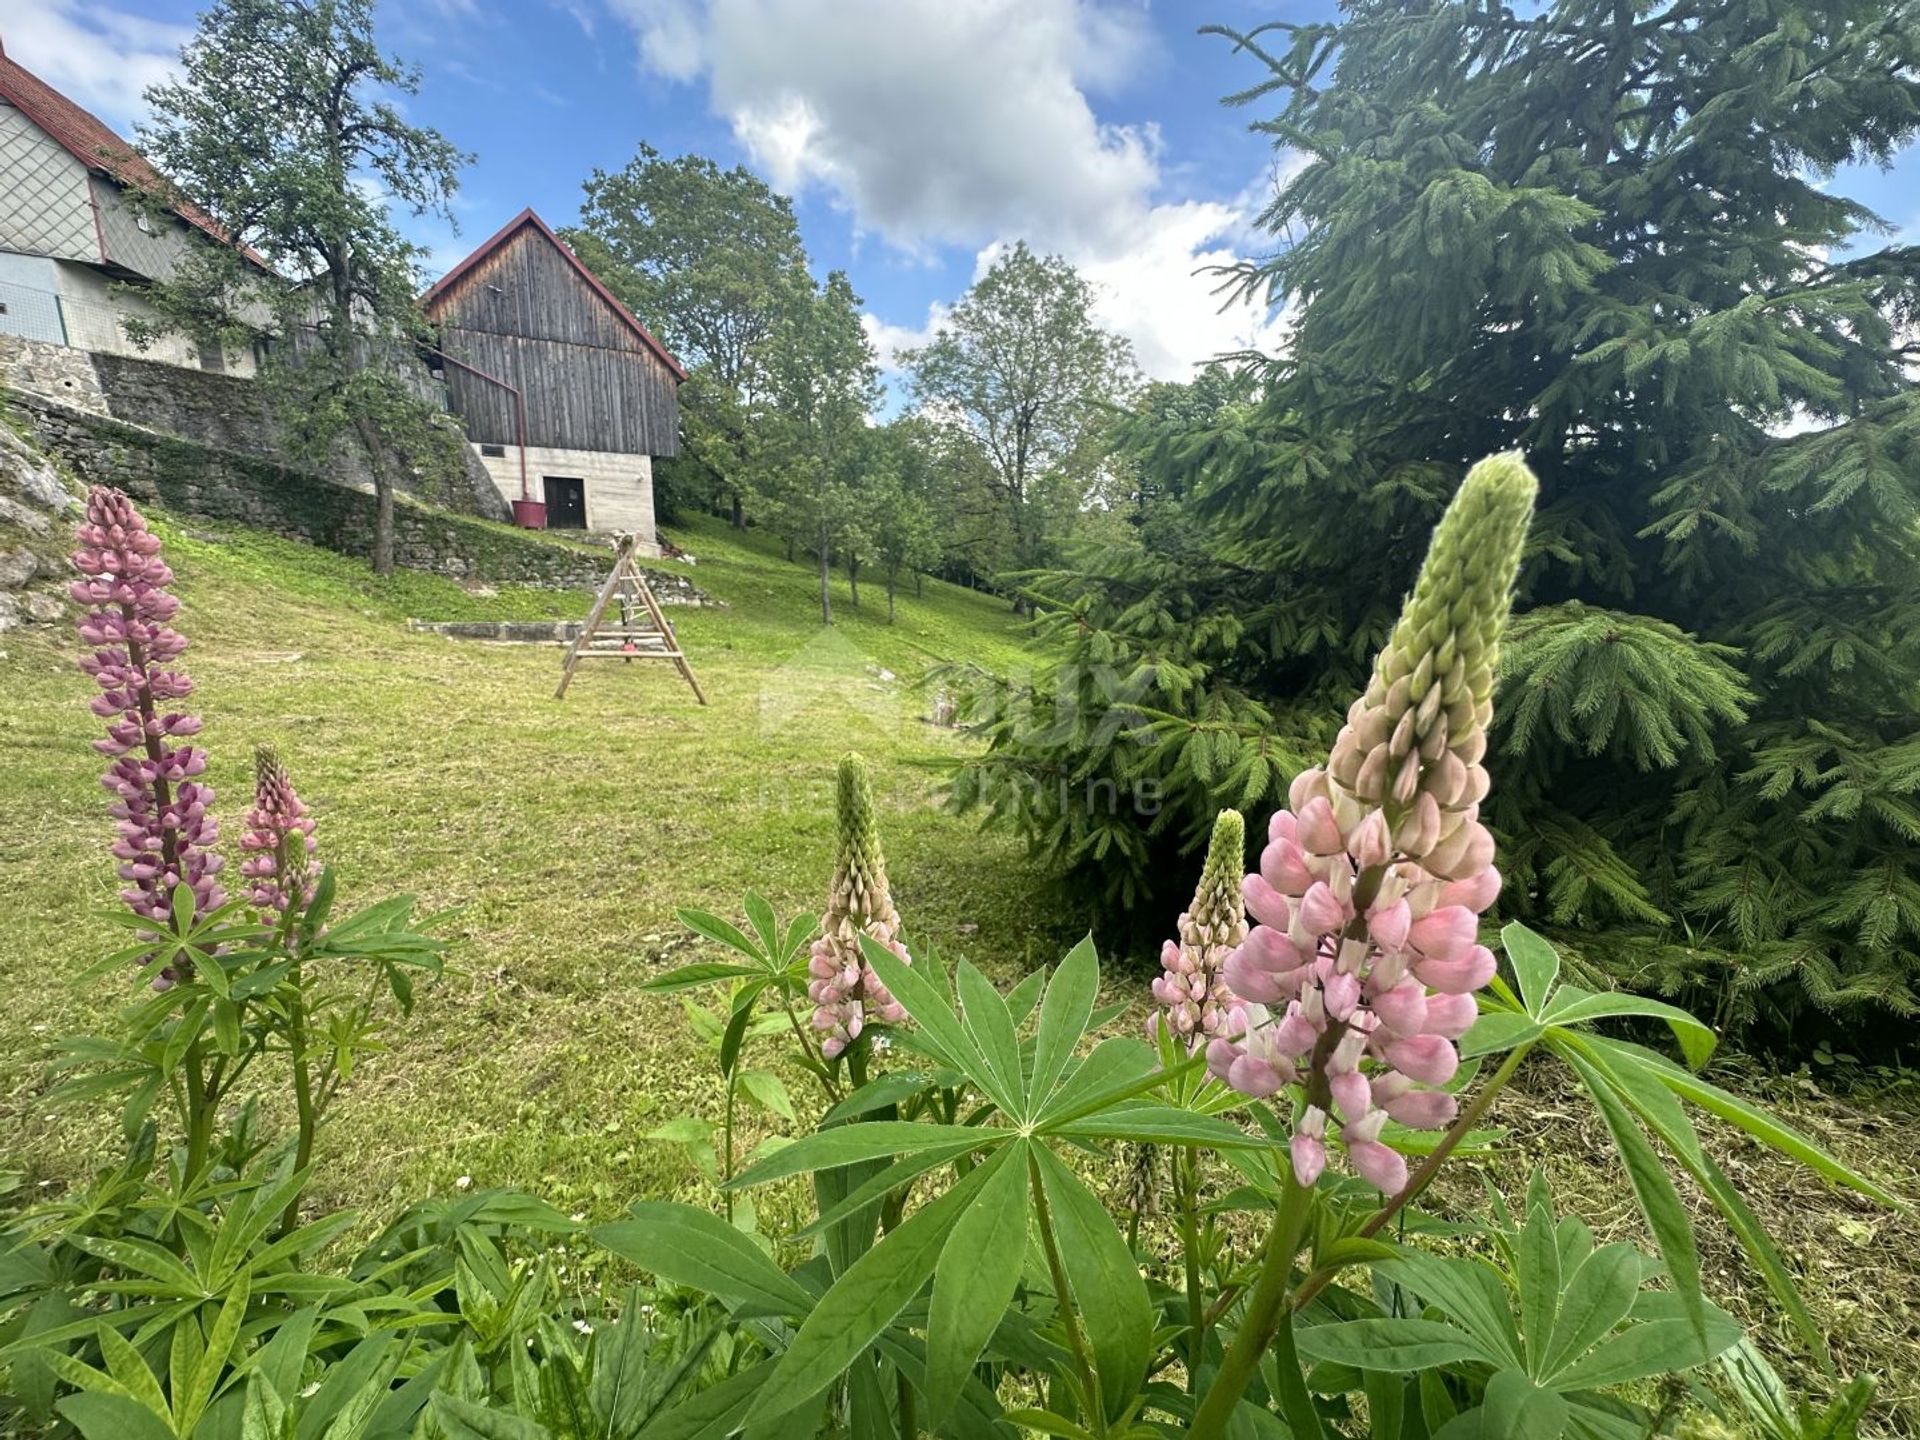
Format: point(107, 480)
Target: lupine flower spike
point(278, 842)
point(845, 991)
point(1194, 997)
point(163, 811)
point(1359, 975)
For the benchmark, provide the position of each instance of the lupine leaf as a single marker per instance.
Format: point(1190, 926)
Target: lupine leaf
point(987, 1020)
point(1104, 1278)
point(1389, 1343)
point(927, 1003)
point(867, 1140)
point(1659, 1202)
point(862, 1302)
point(1572, 1007)
point(1063, 1018)
point(695, 1248)
point(1512, 1408)
point(1535, 962)
point(975, 1278)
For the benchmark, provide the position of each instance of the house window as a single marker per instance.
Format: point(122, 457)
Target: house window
point(494, 452)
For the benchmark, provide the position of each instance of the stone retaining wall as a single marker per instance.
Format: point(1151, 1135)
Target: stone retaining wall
point(228, 413)
point(197, 479)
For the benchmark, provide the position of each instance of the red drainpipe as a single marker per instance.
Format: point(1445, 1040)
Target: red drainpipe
point(534, 514)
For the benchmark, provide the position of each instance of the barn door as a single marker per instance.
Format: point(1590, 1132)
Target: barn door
point(566, 503)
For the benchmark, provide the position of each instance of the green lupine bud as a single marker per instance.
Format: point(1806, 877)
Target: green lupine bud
point(844, 989)
point(1191, 988)
point(1452, 622)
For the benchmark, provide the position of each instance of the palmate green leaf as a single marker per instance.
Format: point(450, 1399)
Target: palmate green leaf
point(692, 1247)
point(988, 1021)
point(1119, 1068)
point(1389, 1343)
point(878, 1186)
point(192, 1398)
point(868, 1140)
point(1497, 1031)
point(692, 977)
point(1598, 1296)
point(100, 1416)
point(1573, 1006)
point(769, 1091)
point(863, 1301)
point(470, 1420)
point(766, 924)
point(1535, 962)
point(1653, 1347)
point(975, 1279)
point(1773, 1133)
point(1661, 1112)
point(1512, 1408)
point(1653, 1188)
point(1104, 1278)
point(130, 1372)
point(1156, 1125)
point(940, 1027)
point(715, 1412)
point(877, 1094)
point(1063, 1019)
point(723, 932)
point(1470, 1292)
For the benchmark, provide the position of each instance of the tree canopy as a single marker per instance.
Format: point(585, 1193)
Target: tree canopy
point(279, 130)
point(1601, 234)
point(1021, 366)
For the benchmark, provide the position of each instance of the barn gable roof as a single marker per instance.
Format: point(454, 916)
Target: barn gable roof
point(92, 142)
point(526, 219)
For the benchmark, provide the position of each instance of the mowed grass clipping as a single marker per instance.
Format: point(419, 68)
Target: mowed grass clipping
point(566, 831)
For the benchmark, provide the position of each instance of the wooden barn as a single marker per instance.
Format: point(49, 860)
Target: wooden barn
point(567, 397)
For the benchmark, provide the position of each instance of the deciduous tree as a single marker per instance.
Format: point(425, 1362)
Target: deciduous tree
point(280, 128)
point(1023, 367)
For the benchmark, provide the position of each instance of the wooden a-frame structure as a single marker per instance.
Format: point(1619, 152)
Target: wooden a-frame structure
point(638, 631)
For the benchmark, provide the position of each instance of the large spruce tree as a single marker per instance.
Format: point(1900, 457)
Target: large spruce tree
point(1602, 232)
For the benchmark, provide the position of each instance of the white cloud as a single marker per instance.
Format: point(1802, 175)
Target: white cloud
point(936, 124)
point(672, 42)
point(102, 57)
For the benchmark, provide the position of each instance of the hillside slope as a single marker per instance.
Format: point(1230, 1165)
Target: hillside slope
point(569, 831)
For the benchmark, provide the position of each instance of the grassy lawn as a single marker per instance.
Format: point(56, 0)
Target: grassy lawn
point(569, 831)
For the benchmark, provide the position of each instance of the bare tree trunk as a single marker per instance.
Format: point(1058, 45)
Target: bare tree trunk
point(826, 586)
point(890, 589)
point(382, 497)
point(382, 523)
point(853, 578)
point(739, 517)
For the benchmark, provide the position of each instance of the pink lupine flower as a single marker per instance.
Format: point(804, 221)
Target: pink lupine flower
point(162, 810)
point(1371, 886)
point(278, 842)
point(1192, 989)
point(844, 989)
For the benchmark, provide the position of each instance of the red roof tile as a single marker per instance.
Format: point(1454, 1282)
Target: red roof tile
point(506, 232)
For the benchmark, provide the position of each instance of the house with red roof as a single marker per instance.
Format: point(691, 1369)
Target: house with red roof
point(565, 395)
point(72, 238)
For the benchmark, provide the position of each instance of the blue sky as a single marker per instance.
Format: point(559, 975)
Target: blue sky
point(916, 136)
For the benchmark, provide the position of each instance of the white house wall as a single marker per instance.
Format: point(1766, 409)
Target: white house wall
point(95, 308)
point(46, 207)
point(28, 305)
point(618, 488)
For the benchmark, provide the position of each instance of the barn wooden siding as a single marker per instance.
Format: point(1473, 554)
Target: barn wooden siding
point(525, 314)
